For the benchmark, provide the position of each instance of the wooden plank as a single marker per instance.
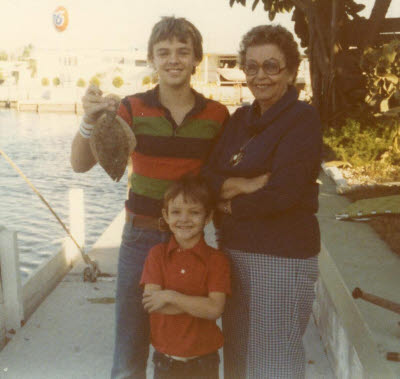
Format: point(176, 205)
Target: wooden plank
point(357, 29)
point(11, 280)
point(390, 25)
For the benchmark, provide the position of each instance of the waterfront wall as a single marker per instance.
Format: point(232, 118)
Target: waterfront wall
point(18, 301)
point(68, 99)
point(356, 334)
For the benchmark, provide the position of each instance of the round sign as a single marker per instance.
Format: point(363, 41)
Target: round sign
point(60, 19)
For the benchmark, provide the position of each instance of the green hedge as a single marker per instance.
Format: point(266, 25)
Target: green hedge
point(362, 143)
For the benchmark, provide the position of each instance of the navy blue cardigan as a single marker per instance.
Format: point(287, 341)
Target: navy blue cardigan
point(278, 219)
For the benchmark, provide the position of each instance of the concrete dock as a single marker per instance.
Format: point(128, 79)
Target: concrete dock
point(71, 334)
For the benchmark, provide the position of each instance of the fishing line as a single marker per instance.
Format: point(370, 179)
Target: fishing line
point(90, 273)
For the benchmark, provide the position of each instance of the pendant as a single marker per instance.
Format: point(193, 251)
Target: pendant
point(236, 158)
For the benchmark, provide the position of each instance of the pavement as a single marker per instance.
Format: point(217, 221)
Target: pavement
point(71, 334)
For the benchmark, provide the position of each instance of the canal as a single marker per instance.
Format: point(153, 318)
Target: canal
point(40, 145)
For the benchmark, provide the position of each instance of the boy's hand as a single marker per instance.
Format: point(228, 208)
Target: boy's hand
point(225, 207)
point(153, 301)
point(94, 104)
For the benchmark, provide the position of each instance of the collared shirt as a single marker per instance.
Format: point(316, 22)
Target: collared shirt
point(165, 151)
point(193, 272)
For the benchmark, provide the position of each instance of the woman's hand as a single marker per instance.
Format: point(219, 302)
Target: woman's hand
point(254, 184)
point(236, 186)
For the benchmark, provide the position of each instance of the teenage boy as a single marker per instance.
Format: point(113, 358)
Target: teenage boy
point(185, 285)
point(175, 129)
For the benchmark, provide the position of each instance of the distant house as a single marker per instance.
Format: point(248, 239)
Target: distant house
point(220, 69)
point(223, 69)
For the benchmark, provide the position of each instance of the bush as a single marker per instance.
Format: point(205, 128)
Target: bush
point(45, 82)
point(56, 82)
point(381, 68)
point(95, 81)
point(374, 146)
point(117, 82)
point(371, 148)
point(81, 83)
point(146, 80)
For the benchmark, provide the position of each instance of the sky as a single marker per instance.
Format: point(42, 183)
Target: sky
point(122, 24)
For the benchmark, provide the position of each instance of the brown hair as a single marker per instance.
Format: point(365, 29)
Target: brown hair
point(275, 35)
point(192, 188)
point(180, 28)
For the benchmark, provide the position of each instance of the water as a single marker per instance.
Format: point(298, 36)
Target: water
point(40, 145)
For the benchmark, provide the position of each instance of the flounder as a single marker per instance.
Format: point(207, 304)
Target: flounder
point(112, 142)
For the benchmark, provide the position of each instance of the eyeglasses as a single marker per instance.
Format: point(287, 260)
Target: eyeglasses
point(270, 67)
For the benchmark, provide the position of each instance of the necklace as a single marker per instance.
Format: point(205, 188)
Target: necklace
point(237, 158)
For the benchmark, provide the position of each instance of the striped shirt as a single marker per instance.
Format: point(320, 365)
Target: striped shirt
point(165, 151)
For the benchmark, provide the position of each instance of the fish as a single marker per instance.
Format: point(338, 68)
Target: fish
point(112, 141)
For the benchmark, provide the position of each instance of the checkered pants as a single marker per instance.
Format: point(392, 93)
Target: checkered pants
point(267, 315)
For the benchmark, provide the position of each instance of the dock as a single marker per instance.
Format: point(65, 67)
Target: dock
point(71, 333)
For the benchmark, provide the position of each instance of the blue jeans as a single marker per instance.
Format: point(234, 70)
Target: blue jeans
point(132, 333)
point(203, 367)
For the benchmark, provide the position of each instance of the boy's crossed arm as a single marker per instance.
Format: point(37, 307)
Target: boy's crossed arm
point(210, 307)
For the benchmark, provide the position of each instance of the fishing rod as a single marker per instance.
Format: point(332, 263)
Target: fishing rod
point(92, 271)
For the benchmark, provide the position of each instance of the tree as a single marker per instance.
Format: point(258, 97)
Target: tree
point(45, 82)
point(117, 82)
point(81, 83)
point(95, 80)
point(146, 80)
point(32, 65)
point(56, 81)
point(3, 56)
point(26, 52)
point(330, 30)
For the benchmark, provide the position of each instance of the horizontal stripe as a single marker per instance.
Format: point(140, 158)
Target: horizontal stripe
point(213, 111)
point(174, 147)
point(143, 205)
point(152, 126)
point(164, 168)
point(150, 187)
point(140, 108)
point(161, 127)
point(204, 129)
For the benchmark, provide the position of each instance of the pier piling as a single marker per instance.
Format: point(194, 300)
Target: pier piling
point(11, 305)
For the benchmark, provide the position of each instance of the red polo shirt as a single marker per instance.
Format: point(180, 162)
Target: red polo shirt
point(195, 272)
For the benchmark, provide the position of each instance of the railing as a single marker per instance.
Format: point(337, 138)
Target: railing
point(17, 301)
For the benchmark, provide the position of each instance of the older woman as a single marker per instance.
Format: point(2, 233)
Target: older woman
point(264, 170)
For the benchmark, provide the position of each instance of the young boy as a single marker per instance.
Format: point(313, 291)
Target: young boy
point(175, 129)
point(185, 285)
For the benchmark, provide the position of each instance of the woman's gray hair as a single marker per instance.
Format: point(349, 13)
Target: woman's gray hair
point(275, 35)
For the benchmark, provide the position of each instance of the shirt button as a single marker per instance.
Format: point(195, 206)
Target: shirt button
point(183, 271)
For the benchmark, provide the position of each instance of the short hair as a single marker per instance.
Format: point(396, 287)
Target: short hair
point(275, 35)
point(180, 28)
point(192, 188)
